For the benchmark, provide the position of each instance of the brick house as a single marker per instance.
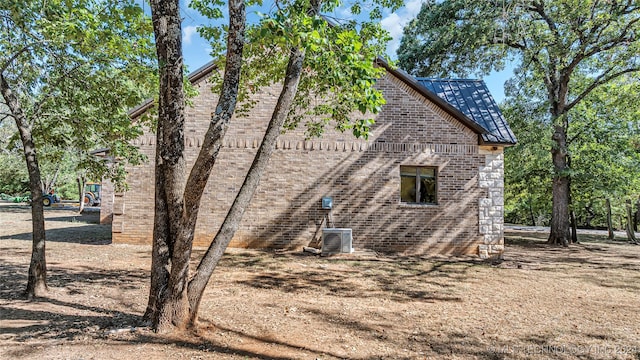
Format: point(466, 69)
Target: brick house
point(428, 181)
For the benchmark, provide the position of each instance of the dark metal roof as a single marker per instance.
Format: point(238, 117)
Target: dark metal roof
point(473, 99)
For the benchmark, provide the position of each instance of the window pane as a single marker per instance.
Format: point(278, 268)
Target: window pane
point(427, 172)
point(408, 188)
point(427, 190)
point(408, 171)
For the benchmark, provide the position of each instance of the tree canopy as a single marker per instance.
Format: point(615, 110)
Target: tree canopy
point(69, 72)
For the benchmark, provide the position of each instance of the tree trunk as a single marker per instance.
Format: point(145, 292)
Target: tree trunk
point(48, 183)
point(37, 279)
point(607, 204)
point(168, 305)
point(231, 222)
point(173, 234)
point(631, 235)
point(533, 218)
point(636, 218)
point(572, 213)
point(560, 214)
point(590, 215)
point(574, 227)
point(82, 181)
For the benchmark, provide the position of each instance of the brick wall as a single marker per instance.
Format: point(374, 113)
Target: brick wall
point(363, 177)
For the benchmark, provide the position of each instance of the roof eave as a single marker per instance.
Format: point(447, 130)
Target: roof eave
point(496, 143)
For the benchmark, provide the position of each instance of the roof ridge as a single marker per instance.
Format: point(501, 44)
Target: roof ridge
point(447, 79)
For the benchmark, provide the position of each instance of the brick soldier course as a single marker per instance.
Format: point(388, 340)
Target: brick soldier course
point(417, 127)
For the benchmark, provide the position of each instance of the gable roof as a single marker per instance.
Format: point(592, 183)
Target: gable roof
point(473, 99)
point(471, 105)
point(468, 101)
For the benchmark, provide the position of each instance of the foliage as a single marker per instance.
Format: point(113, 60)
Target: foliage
point(604, 152)
point(564, 50)
point(339, 65)
point(527, 164)
point(77, 67)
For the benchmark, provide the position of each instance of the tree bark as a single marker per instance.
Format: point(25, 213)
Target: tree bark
point(168, 305)
point(174, 230)
point(560, 215)
point(231, 222)
point(81, 180)
point(607, 204)
point(37, 278)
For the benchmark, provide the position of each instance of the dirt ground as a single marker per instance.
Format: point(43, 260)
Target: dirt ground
point(539, 303)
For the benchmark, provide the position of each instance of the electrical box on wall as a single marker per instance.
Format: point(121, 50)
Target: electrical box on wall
point(327, 202)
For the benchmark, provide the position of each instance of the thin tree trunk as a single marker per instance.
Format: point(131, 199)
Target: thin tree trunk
point(533, 219)
point(560, 214)
point(607, 204)
point(572, 213)
point(37, 278)
point(260, 162)
point(574, 227)
point(636, 218)
point(47, 184)
point(82, 181)
point(631, 235)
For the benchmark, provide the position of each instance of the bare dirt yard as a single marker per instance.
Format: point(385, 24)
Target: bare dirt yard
point(540, 302)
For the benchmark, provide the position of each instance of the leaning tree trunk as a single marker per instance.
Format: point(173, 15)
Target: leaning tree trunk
point(231, 222)
point(37, 279)
point(607, 204)
point(560, 213)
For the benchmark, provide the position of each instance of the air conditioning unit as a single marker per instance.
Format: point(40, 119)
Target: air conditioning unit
point(336, 241)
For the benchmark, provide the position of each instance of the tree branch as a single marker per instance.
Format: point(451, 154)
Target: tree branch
point(16, 55)
point(600, 80)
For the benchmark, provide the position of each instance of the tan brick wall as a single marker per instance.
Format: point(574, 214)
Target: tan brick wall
point(106, 202)
point(362, 177)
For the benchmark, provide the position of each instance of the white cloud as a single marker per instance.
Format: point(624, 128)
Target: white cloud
point(188, 33)
point(395, 22)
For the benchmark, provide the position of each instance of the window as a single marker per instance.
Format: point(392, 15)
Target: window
point(418, 184)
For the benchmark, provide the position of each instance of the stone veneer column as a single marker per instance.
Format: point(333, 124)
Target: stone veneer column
point(491, 219)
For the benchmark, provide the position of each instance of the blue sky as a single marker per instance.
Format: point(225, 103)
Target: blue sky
point(196, 50)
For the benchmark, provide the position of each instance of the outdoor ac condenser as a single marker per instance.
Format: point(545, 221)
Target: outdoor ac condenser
point(336, 241)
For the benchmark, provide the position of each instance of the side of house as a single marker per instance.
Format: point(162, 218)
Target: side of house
point(429, 179)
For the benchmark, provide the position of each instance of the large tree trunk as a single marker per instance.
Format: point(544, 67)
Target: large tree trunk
point(37, 279)
point(231, 222)
point(177, 209)
point(168, 305)
point(560, 213)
